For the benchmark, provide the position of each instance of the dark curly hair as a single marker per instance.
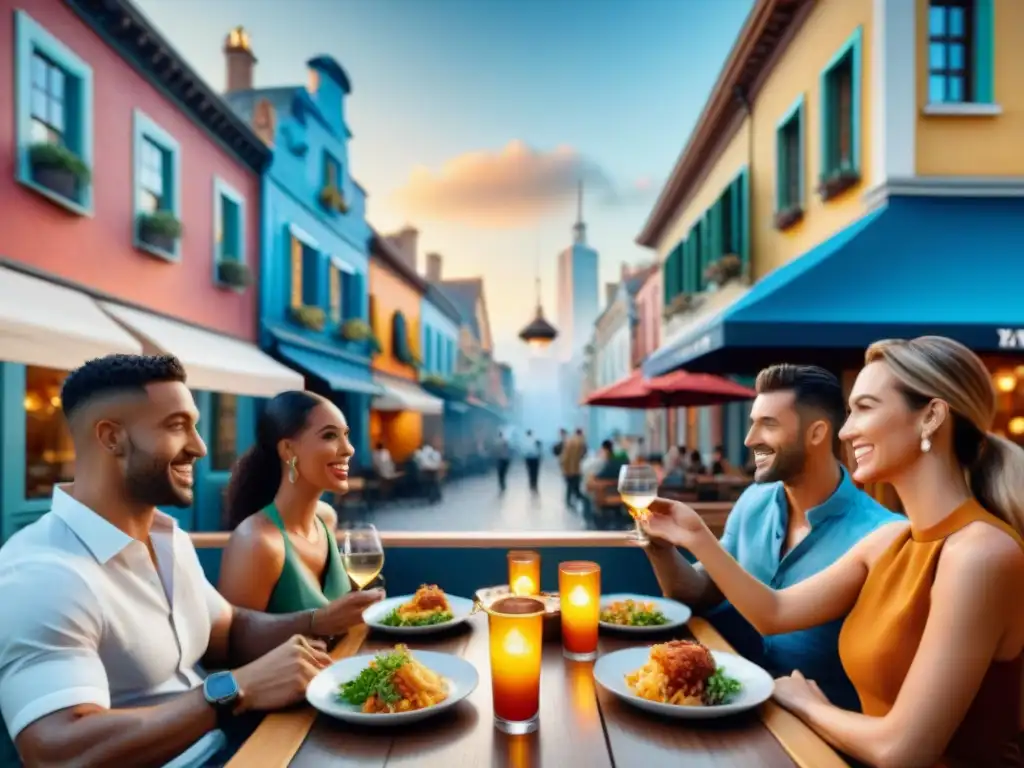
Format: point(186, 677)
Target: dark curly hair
point(257, 473)
point(117, 373)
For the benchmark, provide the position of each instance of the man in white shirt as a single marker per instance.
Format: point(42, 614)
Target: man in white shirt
point(105, 605)
point(383, 464)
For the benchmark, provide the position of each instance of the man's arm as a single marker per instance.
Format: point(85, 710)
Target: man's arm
point(691, 584)
point(679, 580)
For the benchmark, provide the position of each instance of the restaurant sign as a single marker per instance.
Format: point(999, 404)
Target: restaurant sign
point(1011, 338)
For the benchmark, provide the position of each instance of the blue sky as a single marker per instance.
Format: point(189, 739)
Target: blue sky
point(501, 105)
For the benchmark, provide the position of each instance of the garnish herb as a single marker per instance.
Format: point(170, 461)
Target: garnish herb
point(395, 619)
point(719, 688)
point(375, 680)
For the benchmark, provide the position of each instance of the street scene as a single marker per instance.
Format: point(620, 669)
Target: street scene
point(332, 329)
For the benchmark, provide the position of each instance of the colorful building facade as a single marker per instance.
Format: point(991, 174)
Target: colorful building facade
point(397, 416)
point(842, 197)
point(131, 207)
point(314, 305)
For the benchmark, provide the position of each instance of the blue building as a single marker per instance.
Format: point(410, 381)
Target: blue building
point(314, 306)
point(439, 327)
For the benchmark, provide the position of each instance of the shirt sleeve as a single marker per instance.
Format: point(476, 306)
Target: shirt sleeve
point(731, 534)
point(49, 643)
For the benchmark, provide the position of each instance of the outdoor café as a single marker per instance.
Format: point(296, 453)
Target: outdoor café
point(535, 667)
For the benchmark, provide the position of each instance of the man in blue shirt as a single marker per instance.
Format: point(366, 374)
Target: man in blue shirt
point(801, 515)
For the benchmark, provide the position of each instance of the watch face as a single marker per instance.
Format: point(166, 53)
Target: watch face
point(221, 686)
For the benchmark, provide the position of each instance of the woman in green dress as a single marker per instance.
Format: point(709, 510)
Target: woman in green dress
point(282, 557)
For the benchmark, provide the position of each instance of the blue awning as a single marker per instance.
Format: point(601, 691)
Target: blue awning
point(925, 265)
point(340, 375)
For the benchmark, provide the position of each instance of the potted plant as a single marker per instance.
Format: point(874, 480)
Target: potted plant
point(837, 180)
point(234, 274)
point(356, 329)
point(312, 318)
point(681, 303)
point(332, 199)
point(58, 169)
point(159, 230)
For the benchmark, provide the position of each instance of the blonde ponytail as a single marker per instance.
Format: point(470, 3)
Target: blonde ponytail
point(997, 480)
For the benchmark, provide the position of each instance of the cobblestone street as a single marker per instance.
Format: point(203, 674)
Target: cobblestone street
point(474, 504)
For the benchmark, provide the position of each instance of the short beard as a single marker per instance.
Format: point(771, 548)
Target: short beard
point(148, 481)
point(788, 465)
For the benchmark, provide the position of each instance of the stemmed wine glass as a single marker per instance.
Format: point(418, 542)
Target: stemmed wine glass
point(362, 553)
point(638, 487)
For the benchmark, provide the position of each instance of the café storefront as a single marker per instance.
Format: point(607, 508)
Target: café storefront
point(917, 266)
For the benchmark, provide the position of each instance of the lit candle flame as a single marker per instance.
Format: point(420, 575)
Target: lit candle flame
point(579, 596)
point(515, 644)
point(523, 586)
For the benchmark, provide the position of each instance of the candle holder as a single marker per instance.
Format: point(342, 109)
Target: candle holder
point(579, 586)
point(516, 628)
point(524, 572)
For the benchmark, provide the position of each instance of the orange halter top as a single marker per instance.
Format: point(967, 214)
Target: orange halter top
point(881, 635)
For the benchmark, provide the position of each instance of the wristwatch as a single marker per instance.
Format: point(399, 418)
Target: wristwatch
point(222, 693)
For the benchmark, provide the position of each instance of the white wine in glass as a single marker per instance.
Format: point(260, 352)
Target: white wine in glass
point(638, 487)
point(362, 553)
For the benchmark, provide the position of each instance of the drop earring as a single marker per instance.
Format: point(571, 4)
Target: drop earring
point(926, 444)
point(293, 471)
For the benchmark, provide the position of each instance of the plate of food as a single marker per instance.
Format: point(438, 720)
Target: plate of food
point(684, 679)
point(392, 687)
point(429, 610)
point(641, 614)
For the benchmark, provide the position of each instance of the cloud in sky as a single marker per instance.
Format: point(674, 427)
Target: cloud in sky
point(512, 187)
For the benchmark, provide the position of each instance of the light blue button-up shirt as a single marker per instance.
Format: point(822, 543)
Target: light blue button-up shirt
point(755, 533)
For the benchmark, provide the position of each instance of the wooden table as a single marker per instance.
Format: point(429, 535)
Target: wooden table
point(580, 723)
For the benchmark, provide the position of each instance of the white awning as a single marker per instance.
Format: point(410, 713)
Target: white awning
point(53, 326)
point(402, 395)
point(214, 362)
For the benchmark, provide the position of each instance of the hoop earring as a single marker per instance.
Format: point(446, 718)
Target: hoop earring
point(926, 444)
point(293, 471)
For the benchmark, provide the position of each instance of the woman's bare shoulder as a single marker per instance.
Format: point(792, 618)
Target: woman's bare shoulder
point(880, 539)
point(256, 537)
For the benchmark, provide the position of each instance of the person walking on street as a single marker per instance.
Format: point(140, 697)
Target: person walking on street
point(531, 452)
point(571, 459)
point(503, 455)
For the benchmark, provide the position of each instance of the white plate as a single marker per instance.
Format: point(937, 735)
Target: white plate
point(610, 673)
point(374, 615)
point(323, 690)
point(676, 613)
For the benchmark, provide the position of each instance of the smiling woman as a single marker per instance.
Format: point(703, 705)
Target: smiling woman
point(282, 557)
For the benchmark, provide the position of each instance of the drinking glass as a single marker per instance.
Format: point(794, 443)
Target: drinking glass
point(516, 628)
point(638, 487)
point(524, 572)
point(362, 553)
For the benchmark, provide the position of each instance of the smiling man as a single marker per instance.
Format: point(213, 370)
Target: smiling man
point(801, 515)
point(108, 619)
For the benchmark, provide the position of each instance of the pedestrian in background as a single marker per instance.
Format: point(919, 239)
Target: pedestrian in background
point(531, 452)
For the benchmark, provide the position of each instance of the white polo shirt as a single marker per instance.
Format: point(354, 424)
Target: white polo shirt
point(86, 618)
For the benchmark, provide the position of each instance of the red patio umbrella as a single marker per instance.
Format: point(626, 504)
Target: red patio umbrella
point(678, 389)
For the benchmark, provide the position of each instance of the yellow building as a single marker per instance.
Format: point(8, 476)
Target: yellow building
point(857, 173)
point(396, 291)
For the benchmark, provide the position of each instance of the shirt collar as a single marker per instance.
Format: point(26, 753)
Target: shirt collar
point(840, 501)
point(100, 537)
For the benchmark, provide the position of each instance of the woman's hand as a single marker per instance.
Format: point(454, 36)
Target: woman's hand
point(342, 614)
point(676, 523)
point(796, 691)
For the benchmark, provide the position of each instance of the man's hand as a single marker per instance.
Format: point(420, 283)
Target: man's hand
point(280, 677)
point(342, 614)
point(675, 523)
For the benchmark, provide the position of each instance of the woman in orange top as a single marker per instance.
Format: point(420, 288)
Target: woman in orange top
point(934, 626)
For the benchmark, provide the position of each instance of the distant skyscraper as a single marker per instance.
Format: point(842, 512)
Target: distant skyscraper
point(578, 304)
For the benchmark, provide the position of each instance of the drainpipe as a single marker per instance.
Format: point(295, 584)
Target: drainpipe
point(748, 108)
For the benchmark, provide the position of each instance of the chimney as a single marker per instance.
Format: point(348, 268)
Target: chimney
point(405, 242)
point(240, 60)
point(433, 267)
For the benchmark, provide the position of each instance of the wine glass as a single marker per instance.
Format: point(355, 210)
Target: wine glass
point(362, 553)
point(638, 487)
